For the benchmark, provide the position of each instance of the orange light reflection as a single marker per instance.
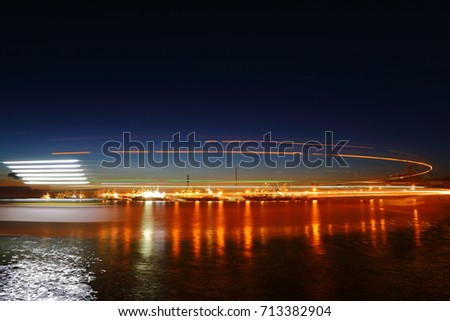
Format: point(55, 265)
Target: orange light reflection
point(197, 231)
point(315, 228)
point(416, 226)
point(220, 223)
point(248, 230)
point(175, 233)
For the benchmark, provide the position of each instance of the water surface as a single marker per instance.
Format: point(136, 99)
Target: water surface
point(350, 249)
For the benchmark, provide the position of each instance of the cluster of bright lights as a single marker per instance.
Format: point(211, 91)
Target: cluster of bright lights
point(153, 194)
point(49, 172)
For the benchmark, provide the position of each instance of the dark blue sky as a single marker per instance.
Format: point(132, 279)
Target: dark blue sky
point(74, 75)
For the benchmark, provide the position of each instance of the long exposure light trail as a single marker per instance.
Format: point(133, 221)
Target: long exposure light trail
point(56, 183)
point(44, 166)
point(63, 170)
point(52, 161)
point(428, 167)
point(49, 174)
point(391, 159)
point(71, 153)
point(46, 178)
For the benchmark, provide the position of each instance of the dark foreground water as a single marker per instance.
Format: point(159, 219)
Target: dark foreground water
point(326, 250)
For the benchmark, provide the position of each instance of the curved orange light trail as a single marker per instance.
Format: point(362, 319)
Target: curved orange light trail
point(392, 159)
point(428, 169)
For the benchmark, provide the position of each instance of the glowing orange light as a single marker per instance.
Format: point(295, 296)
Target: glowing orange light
point(71, 153)
point(392, 159)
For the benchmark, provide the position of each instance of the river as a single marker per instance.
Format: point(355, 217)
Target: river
point(336, 249)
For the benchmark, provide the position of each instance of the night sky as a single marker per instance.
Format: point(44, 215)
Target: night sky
point(78, 73)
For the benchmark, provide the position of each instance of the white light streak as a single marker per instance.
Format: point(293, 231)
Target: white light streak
point(44, 166)
point(50, 175)
point(55, 183)
point(46, 178)
point(67, 170)
point(53, 161)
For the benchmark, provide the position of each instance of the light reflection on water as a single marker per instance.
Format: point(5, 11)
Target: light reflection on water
point(314, 250)
point(315, 228)
point(45, 269)
point(58, 213)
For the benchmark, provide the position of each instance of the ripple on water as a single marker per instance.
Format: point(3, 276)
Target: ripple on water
point(45, 269)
